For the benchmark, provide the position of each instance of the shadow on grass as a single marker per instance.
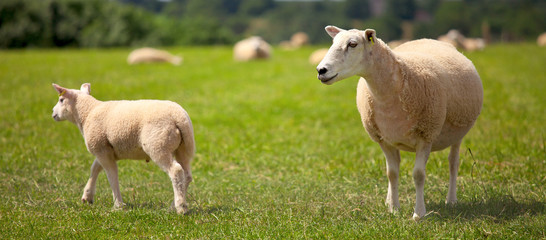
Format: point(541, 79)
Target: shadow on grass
point(499, 209)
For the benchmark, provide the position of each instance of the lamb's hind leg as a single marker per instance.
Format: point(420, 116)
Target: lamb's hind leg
point(176, 174)
point(184, 159)
point(392, 156)
point(419, 176)
point(453, 171)
point(89, 190)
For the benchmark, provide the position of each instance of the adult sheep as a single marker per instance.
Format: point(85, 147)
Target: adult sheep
point(422, 96)
point(251, 48)
point(145, 129)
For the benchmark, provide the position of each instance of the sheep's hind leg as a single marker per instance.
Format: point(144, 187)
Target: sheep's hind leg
point(453, 171)
point(89, 190)
point(419, 176)
point(392, 156)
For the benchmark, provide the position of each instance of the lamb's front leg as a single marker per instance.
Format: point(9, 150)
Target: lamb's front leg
point(453, 170)
point(392, 156)
point(111, 168)
point(419, 176)
point(89, 190)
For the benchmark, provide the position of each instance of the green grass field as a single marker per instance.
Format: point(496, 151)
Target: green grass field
point(279, 155)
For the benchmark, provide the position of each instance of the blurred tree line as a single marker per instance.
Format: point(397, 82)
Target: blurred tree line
point(112, 23)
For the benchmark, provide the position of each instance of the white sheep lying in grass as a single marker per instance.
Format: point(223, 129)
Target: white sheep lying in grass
point(251, 48)
point(541, 39)
point(145, 129)
point(422, 96)
point(152, 55)
point(317, 55)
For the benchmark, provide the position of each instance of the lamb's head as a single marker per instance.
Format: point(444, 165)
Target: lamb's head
point(66, 106)
point(347, 55)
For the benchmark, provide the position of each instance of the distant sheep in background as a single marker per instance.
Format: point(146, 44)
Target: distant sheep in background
point(317, 56)
point(155, 130)
point(458, 40)
point(541, 39)
point(151, 55)
point(423, 96)
point(297, 40)
point(251, 48)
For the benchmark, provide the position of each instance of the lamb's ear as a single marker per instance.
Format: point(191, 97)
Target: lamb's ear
point(333, 30)
point(61, 90)
point(369, 35)
point(86, 88)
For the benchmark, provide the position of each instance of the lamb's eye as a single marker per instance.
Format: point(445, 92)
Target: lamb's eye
point(61, 100)
point(352, 44)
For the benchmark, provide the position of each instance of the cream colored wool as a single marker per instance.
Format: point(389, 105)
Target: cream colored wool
point(251, 48)
point(155, 130)
point(422, 96)
point(151, 55)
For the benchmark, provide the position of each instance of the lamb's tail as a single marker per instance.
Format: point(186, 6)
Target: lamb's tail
point(187, 146)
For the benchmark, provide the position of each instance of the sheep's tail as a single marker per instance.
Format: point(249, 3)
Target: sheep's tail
point(187, 145)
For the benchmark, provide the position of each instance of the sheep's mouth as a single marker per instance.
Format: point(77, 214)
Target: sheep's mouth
point(326, 80)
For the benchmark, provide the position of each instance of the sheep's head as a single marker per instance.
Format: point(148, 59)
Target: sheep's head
point(65, 107)
point(347, 55)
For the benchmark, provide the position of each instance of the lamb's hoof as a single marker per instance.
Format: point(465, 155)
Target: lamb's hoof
point(180, 209)
point(87, 200)
point(119, 206)
point(416, 217)
point(451, 202)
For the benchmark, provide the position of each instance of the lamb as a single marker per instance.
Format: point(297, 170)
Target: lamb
point(155, 130)
point(422, 96)
point(251, 48)
point(151, 55)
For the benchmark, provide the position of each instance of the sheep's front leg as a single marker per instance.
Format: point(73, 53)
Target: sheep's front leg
point(89, 190)
point(392, 156)
point(453, 171)
point(111, 168)
point(419, 175)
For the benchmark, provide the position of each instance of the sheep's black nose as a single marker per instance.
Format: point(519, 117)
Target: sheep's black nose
point(322, 71)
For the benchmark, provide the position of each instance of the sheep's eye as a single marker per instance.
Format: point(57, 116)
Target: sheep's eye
point(61, 100)
point(352, 44)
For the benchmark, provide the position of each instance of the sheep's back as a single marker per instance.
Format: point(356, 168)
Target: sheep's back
point(456, 76)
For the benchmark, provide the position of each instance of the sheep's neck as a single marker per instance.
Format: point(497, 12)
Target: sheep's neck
point(384, 75)
point(84, 105)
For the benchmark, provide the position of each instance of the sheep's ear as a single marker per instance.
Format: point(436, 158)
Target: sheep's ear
point(333, 30)
point(369, 35)
point(61, 90)
point(86, 88)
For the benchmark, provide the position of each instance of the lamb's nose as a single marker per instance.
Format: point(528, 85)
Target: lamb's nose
point(322, 71)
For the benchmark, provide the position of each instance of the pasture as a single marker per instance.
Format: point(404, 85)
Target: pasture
point(279, 155)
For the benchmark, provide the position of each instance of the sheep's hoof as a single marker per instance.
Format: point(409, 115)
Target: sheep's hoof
point(416, 217)
point(451, 202)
